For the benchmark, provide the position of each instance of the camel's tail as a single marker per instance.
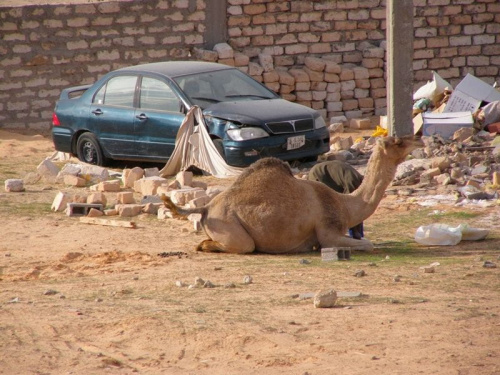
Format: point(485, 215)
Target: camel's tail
point(179, 212)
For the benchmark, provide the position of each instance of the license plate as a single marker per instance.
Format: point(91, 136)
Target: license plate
point(293, 143)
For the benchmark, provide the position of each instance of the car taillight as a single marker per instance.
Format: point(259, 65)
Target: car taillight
point(55, 120)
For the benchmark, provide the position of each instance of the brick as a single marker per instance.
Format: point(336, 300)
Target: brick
point(72, 180)
point(125, 197)
point(360, 123)
point(185, 178)
point(129, 176)
point(148, 185)
point(97, 198)
point(128, 210)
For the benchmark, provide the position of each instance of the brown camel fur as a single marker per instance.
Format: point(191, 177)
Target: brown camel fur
point(268, 210)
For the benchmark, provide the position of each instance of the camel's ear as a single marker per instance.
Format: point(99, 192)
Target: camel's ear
point(398, 141)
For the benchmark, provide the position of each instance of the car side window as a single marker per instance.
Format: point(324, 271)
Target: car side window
point(157, 95)
point(118, 91)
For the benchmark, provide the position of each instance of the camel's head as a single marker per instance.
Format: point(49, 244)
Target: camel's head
point(398, 148)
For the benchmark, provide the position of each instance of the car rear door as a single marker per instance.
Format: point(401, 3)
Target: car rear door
point(157, 119)
point(112, 115)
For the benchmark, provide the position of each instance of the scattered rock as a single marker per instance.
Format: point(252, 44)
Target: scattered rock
point(325, 298)
point(247, 280)
point(360, 273)
point(50, 292)
point(488, 264)
point(14, 185)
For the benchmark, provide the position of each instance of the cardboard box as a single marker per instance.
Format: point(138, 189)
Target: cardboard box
point(445, 124)
point(469, 94)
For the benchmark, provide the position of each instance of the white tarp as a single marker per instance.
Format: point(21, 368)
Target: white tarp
point(193, 147)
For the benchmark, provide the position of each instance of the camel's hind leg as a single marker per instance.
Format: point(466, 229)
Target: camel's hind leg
point(331, 238)
point(227, 237)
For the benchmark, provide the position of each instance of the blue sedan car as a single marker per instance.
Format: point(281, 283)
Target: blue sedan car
point(134, 113)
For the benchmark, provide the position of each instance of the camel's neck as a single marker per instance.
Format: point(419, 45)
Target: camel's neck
point(365, 200)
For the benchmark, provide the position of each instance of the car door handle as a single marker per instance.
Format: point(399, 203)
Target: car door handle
point(142, 117)
point(97, 112)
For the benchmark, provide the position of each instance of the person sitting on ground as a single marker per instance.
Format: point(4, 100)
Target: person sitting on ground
point(342, 178)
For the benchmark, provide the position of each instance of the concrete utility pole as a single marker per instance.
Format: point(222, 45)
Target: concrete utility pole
point(400, 67)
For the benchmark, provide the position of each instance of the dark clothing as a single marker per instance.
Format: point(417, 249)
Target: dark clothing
point(342, 178)
point(337, 175)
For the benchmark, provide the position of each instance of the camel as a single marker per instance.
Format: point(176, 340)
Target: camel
point(268, 210)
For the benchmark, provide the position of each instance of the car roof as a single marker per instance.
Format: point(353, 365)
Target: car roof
point(176, 68)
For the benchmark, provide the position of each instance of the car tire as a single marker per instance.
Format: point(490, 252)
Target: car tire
point(219, 146)
point(88, 150)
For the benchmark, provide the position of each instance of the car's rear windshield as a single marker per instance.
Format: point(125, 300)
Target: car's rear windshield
point(204, 89)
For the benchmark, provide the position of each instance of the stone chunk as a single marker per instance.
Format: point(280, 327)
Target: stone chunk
point(97, 198)
point(325, 298)
point(128, 210)
point(47, 169)
point(110, 186)
point(14, 185)
point(148, 185)
point(130, 176)
point(342, 143)
point(72, 180)
point(185, 178)
point(360, 123)
point(60, 201)
point(125, 197)
point(150, 172)
point(183, 196)
point(224, 51)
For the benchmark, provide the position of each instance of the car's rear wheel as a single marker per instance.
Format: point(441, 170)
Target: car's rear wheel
point(88, 149)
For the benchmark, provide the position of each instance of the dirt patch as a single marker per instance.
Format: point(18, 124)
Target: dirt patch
point(80, 299)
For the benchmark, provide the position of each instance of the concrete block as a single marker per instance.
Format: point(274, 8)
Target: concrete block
point(14, 185)
point(60, 201)
point(81, 209)
point(335, 253)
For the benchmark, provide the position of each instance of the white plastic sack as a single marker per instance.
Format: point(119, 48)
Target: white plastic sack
point(193, 147)
point(432, 88)
point(438, 234)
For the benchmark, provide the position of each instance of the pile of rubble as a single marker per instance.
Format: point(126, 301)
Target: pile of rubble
point(105, 194)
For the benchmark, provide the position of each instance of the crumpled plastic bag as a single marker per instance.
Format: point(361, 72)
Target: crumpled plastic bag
point(380, 132)
point(432, 89)
point(446, 235)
